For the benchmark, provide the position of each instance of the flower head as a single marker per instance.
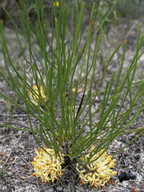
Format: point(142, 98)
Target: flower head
point(47, 165)
point(37, 94)
point(99, 171)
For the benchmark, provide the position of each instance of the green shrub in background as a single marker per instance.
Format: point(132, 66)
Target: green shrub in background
point(130, 8)
point(60, 65)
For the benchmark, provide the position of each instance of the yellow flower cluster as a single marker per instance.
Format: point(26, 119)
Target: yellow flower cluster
point(97, 173)
point(47, 165)
point(37, 95)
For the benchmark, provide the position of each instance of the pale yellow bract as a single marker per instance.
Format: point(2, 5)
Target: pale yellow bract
point(47, 165)
point(97, 173)
point(36, 95)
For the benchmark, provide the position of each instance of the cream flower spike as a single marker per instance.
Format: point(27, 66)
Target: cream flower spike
point(47, 166)
point(35, 97)
point(97, 173)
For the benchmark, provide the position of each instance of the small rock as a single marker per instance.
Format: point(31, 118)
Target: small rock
point(126, 176)
point(136, 157)
point(59, 189)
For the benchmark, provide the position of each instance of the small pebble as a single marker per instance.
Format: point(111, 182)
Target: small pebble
point(136, 157)
point(125, 176)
